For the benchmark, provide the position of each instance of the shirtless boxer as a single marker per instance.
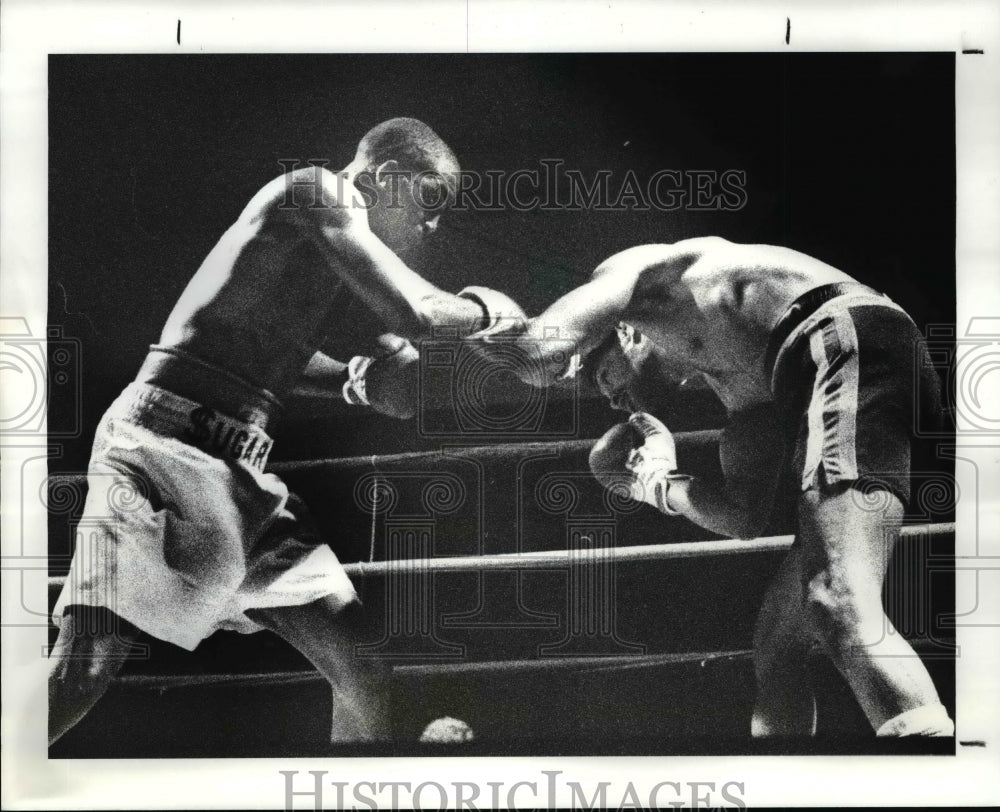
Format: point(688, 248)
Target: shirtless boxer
point(212, 541)
point(773, 332)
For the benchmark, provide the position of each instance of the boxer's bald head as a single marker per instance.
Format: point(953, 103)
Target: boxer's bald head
point(413, 176)
point(415, 148)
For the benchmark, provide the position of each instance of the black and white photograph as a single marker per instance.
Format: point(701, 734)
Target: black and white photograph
point(499, 406)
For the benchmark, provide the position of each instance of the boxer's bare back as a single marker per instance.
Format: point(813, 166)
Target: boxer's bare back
point(708, 306)
point(713, 304)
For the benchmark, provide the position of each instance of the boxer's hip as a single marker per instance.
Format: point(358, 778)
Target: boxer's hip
point(807, 313)
point(849, 369)
point(207, 384)
point(197, 425)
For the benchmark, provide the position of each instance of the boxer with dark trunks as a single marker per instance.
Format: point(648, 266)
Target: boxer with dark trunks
point(204, 539)
point(817, 372)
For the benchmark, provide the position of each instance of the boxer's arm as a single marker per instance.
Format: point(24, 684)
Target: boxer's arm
point(551, 344)
point(408, 304)
point(554, 343)
point(710, 507)
point(751, 453)
point(387, 382)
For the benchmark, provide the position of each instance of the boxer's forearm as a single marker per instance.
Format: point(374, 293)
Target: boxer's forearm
point(388, 384)
point(407, 303)
point(323, 375)
point(536, 361)
point(548, 347)
point(338, 226)
point(709, 507)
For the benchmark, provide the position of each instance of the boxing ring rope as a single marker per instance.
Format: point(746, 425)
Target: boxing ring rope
point(619, 663)
point(649, 552)
point(557, 559)
point(521, 561)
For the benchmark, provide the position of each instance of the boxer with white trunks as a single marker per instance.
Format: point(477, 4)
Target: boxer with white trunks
point(183, 531)
point(819, 374)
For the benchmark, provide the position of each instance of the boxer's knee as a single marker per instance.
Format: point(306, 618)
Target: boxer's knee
point(76, 680)
point(841, 617)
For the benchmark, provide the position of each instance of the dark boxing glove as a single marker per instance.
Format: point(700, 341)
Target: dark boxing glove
point(387, 384)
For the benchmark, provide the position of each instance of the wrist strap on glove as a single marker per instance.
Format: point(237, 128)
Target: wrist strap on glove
point(354, 387)
point(652, 487)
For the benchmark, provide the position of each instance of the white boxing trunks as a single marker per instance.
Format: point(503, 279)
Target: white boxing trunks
point(182, 532)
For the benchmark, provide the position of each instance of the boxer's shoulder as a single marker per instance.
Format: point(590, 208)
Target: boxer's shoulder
point(300, 196)
point(653, 257)
point(659, 273)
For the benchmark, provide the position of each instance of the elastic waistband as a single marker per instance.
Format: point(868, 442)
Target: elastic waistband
point(803, 307)
point(171, 415)
point(203, 382)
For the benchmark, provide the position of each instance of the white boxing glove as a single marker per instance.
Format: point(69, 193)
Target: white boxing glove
point(654, 463)
point(641, 453)
point(355, 387)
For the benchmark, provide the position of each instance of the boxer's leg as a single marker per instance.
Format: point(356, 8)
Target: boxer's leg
point(92, 646)
point(785, 705)
point(290, 561)
point(853, 458)
point(324, 632)
point(846, 549)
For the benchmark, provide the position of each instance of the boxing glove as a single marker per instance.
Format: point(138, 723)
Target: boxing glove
point(642, 454)
point(388, 384)
point(355, 389)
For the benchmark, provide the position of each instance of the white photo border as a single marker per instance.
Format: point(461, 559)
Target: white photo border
point(30, 31)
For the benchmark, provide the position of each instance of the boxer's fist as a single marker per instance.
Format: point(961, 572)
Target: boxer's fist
point(610, 454)
point(657, 450)
point(640, 453)
point(391, 382)
point(388, 383)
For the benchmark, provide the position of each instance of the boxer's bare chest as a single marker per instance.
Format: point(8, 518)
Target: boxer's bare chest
point(259, 305)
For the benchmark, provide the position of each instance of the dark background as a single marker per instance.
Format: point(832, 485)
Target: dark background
point(849, 157)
